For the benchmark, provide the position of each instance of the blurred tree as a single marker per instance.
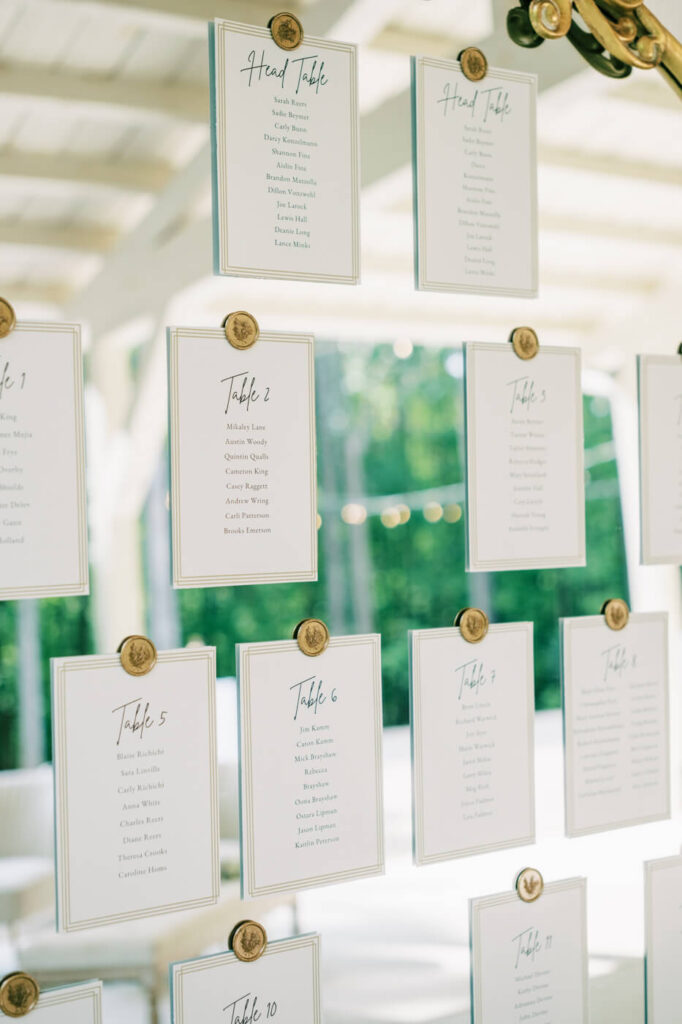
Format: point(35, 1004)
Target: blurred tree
point(390, 433)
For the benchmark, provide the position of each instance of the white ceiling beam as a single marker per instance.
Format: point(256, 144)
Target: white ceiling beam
point(363, 20)
point(19, 292)
point(140, 268)
point(189, 17)
point(385, 132)
point(646, 90)
point(55, 236)
point(577, 280)
point(634, 233)
point(127, 175)
point(186, 17)
point(613, 166)
point(113, 97)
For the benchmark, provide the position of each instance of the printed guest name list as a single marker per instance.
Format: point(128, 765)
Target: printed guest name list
point(242, 446)
point(43, 517)
point(617, 727)
point(525, 449)
point(472, 729)
point(660, 454)
point(285, 157)
point(529, 960)
point(475, 180)
point(311, 764)
point(140, 776)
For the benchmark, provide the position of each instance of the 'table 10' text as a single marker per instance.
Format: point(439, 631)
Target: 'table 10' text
point(245, 1010)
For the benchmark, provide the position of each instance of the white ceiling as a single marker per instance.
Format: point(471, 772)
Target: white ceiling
point(104, 192)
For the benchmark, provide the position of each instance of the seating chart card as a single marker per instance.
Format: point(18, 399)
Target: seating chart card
point(283, 985)
point(525, 466)
point(616, 722)
point(243, 459)
point(285, 156)
point(43, 515)
point(472, 710)
point(660, 458)
point(663, 893)
point(475, 180)
point(311, 764)
point(529, 960)
point(135, 775)
point(73, 1004)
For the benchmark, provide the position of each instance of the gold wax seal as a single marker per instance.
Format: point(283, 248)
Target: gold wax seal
point(241, 329)
point(7, 318)
point(18, 994)
point(473, 63)
point(248, 940)
point(525, 342)
point(138, 655)
point(312, 636)
point(616, 613)
point(287, 31)
point(473, 624)
point(529, 885)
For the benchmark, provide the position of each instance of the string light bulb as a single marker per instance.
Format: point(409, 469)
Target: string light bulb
point(354, 514)
point(403, 348)
point(390, 517)
point(433, 512)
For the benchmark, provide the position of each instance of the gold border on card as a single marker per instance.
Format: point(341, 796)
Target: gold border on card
point(222, 29)
point(61, 669)
point(505, 898)
point(220, 960)
point(180, 580)
point(644, 365)
point(423, 636)
point(652, 867)
point(82, 584)
point(419, 157)
point(75, 994)
point(597, 622)
point(476, 564)
point(248, 651)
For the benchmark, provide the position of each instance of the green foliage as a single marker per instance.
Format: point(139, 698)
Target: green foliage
point(8, 688)
point(390, 431)
point(65, 629)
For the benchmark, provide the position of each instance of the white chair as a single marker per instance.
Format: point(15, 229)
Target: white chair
point(138, 951)
point(26, 845)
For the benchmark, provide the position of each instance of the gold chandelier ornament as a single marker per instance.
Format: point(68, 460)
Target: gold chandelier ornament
point(619, 35)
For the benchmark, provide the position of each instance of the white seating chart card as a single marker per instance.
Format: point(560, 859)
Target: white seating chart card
point(243, 459)
point(135, 775)
point(311, 764)
point(43, 515)
point(663, 894)
point(524, 467)
point(282, 985)
point(285, 156)
point(72, 1004)
point(660, 458)
point(472, 709)
point(475, 179)
point(616, 722)
point(529, 960)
